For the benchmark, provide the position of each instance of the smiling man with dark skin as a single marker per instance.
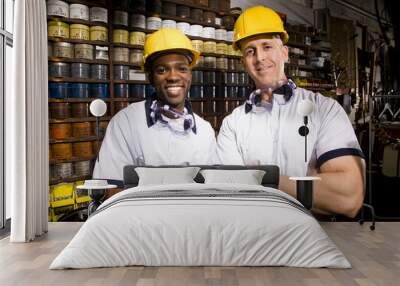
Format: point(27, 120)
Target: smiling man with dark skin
point(162, 130)
point(171, 76)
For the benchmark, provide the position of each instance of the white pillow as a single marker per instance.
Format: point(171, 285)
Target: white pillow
point(248, 177)
point(165, 176)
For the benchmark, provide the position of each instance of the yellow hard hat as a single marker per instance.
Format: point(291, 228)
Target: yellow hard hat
point(258, 20)
point(168, 39)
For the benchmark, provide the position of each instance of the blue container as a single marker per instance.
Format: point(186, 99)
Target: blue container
point(79, 90)
point(99, 90)
point(136, 90)
point(59, 89)
point(196, 91)
point(121, 90)
point(149, 90)
point(197, 77)
point(242, 91)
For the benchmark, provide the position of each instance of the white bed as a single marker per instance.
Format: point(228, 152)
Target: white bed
point(201, 224)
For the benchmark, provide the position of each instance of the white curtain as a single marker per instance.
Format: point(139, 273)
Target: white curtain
point(27, 124)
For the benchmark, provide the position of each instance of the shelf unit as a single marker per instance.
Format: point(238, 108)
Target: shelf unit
point(306, 75)
point(217, 100)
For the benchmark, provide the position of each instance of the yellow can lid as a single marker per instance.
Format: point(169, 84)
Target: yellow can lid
point(98, 28)
point(57, 24)
point(79, 26)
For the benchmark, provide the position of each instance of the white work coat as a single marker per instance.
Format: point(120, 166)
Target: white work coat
point(272, 136)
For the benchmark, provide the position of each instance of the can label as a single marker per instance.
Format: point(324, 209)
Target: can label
point(58, 8)
point(98, 14)
point(79, 11)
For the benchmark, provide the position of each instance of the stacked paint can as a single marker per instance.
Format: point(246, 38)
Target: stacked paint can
point(80, 70)
point(121, 54)
point(184, 27)
point(120, 36)
point(136, 57)
point(81, 129)
point(136, 90)
point(121, 90)
point(61, 151)
point(58, 29)
point(82, 168)
point(57, 8)
point(98, 33)
point(62, 170)
point(79, 90)
point(120, 18)
point(198, 45)
point(79, 11)
point(169, 9)
point(99, 90)
point(98, 14)
point(121, 72)
point(196, 91)
point(183, 11)
point(101, 53)
point(63, 50)
point(60, 131)
point(120, 105)
point(137, 21)
point(59, 90)
point(210, 47)
point(153, 23)
point(59, 69)
point(209, 17)
point(59, 110)
point(83, 51)
point(196, 14)
point(222, 63)
point(137, 38)
point(79, 32)
point(82, 149)
point(79, 110)
point(99, 72)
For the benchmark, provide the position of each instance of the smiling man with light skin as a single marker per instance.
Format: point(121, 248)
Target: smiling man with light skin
point(264, 130)
point(162, 130)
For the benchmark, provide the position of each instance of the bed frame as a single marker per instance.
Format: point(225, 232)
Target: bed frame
point(270, 179)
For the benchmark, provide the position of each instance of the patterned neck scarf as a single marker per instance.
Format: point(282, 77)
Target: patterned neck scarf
point(283, 94)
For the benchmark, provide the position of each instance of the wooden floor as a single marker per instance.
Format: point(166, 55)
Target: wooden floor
point(375, 256)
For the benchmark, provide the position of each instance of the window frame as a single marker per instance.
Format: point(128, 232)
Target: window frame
point(6, 39)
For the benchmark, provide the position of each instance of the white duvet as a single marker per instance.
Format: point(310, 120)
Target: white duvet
point(222, 225)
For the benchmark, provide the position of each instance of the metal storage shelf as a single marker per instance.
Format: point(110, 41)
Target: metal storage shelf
point(69, 179)
point(74, 159)
point(73, 100)
point(75, 60)
point(79, 80)
point(76, 41)
point(205, 8)
point(114, 103)
point(78, 119)
point(74, 139)
point(76, 21)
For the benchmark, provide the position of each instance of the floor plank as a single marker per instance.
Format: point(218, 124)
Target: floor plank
point(374, 255)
